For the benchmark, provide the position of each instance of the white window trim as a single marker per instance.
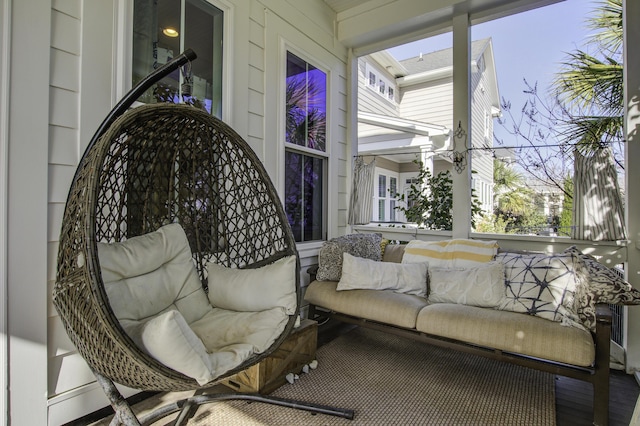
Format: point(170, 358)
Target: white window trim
point(288, 47)
point(369, 69)
point(376, 194)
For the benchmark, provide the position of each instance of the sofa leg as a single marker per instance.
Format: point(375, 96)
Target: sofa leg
point(601, 379)
point(311, 313)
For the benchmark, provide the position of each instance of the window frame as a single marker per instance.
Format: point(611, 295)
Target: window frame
point(325, 155)
point(124, 47)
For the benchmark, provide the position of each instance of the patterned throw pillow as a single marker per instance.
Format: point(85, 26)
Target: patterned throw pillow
point(541, 285)
point(330, 256)
point(600, 284)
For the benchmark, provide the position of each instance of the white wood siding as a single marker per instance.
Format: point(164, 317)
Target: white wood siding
point(481, 161)
point(430, 102)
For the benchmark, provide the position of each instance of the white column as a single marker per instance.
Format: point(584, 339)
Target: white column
point(631, 20)
point(462, 116)
point(28, 134)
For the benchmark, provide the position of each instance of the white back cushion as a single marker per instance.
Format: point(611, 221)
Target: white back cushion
point(152, 274)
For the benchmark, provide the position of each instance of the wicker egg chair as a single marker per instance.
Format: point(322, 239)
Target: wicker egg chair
point(144, 168)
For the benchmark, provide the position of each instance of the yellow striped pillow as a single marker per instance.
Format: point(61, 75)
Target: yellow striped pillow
point(455, 253)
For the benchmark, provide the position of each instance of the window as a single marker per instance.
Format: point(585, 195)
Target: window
point(385, 200)
point(163, 29)
point(305, 153)
point(381, 85)
point(372, 79)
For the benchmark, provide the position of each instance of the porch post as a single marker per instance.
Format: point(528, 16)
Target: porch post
point(461, 121)
point(631, 18)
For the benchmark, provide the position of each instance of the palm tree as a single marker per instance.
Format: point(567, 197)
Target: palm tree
point(511, 196)
point(590, 88)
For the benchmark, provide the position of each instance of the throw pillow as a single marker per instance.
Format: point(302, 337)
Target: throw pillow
point(330, 256)
point(359, 273)
point(541, 285)
point(393, 253)
point(148, 274)
point(456, 253)
point(481, 286)
point(599, 284)
point(169, 339)
point(253, 290)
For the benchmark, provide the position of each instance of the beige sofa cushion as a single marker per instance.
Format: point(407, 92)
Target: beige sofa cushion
point(384, 306)
point(509, 331)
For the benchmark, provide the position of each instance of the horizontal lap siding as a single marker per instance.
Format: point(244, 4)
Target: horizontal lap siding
point(430, 102)
point(65, 371)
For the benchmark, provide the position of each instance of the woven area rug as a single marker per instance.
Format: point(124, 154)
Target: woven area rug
point(389, 380)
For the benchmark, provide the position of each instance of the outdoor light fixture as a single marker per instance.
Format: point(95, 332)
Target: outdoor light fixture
point(170, 32)
point(460, 157)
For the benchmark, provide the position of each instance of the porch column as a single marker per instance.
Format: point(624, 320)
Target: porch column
point(461, 115)
point(631, 18)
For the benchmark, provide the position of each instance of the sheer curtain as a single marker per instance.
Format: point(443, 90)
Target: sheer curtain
point(361, 204)
point(597, 205)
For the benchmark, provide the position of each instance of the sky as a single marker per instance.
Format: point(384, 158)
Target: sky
point(529, 45)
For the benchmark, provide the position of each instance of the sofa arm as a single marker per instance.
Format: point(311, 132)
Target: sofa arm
point(312, 271)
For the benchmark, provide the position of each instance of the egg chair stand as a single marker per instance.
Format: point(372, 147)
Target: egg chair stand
point(145, 168)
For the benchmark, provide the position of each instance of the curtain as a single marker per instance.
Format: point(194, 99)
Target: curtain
point(361, 204)
point(597, 205)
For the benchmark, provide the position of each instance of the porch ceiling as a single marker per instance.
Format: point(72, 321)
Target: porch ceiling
point(372, 25)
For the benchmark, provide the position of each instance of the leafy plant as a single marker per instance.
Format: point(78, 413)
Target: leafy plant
point(429, 201)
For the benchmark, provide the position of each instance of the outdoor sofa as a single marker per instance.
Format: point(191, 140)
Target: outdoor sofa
point(544, 311)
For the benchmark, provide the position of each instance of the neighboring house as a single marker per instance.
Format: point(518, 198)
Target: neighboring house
point(65, 63)
point(405, 113)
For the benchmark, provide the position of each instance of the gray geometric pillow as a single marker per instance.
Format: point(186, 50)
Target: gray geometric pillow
point(359, 245)
point(541, 285)
point(600, 284)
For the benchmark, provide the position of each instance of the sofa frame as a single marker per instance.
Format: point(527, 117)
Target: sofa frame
point(597, 374)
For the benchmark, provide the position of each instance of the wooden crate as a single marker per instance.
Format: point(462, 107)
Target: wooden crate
point(298, 349)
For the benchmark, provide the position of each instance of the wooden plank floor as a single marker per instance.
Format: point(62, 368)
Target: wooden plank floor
point(574, 398)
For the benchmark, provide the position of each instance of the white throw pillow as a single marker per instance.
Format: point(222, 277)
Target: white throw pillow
point(456, 253)
point(253, 290)
point(359, 273)
point(169, 339)
point(481, 286)
point(151, 273)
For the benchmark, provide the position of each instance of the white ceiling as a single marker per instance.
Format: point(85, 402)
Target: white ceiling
point(342, 5)
point(372, 25)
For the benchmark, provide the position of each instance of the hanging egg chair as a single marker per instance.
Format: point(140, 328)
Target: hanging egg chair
point(173, 239)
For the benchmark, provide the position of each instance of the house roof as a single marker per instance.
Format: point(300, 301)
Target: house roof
point(441, 58)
